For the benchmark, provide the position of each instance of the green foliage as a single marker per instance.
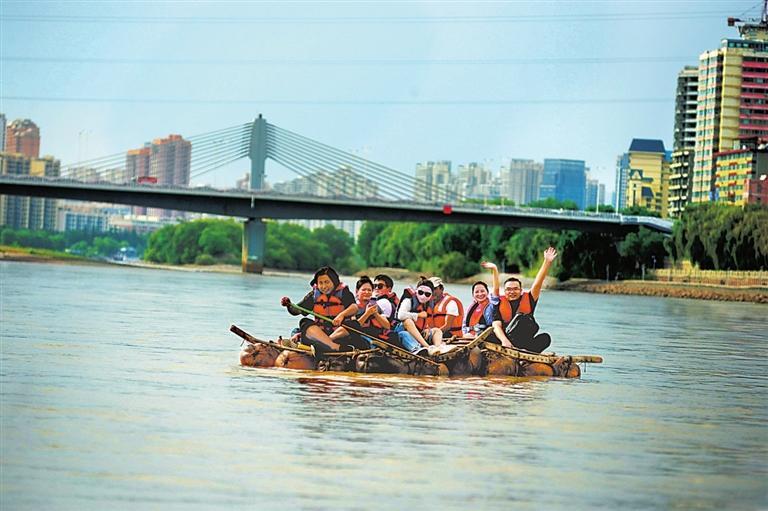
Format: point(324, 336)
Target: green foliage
point(604, 208)
point(366, 237)
point(452, 265)
point(712, 236)
point(721, 237)
point(85, 243)
point(288, 246)
point(205, 260)
point(640, 211)
point(643, 247)
point(495, 201)
point(552, 203)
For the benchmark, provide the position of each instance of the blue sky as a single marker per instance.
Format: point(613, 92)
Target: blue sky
point(462, 81)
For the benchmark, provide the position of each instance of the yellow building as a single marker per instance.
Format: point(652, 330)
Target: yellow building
point(733, 81)
point(734, 169)
point(648, 176)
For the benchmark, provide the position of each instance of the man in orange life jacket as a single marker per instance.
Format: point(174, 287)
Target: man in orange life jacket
point(448, 311)
point(385, 297)
point(518, 302)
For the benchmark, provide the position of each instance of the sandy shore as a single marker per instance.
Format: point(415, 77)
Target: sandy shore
point(667, 289)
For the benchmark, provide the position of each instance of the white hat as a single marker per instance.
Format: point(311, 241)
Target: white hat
point(435, 281)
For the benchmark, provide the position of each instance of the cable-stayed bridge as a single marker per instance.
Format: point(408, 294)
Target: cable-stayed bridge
point(332, 184)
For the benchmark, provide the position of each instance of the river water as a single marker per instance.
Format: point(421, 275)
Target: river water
point(121, 389)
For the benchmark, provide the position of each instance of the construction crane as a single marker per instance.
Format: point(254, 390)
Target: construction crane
point(752, 28)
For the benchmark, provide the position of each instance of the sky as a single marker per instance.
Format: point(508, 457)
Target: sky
point(396, 82)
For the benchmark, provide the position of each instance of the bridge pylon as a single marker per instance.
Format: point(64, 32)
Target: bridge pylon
point(254, 229)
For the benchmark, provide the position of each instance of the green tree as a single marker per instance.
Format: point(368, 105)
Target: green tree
point(339, 244)
point(552, 203)
point(639, 211)
point(369, 232)
point(644, 247)
point(605, 208)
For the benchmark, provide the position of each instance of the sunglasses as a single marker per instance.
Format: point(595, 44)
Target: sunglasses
point(381, 285)
point(424, 293)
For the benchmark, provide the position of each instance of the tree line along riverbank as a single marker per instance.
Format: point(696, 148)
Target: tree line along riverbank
point(708, 236)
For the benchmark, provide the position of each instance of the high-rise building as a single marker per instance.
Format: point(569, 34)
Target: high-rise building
point(648, 174)
point(732, 85)
point(564, 180)
point(686, 98)
point(22, 136)
point(137, 163)
point(736, 170)
point(521, 180)
point(681, 160)
point(475, 181)
point(594, 195)
point(28, 212)
point(622, 174)
point(168, 160)
point(2, 132)
point(433, 180)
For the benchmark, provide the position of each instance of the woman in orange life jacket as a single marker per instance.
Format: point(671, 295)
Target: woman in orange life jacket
point(480, 314)
point(515, 302)
point(449, 313)
point(415, 316)
point(368, 319)
point(329, 297)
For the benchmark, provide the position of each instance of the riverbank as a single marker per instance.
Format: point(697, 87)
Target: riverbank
point(41, 255)
point(36, 255)
point(624, 287)
point(667, 289)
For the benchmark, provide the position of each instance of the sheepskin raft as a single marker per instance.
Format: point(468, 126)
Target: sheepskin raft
point(467, 357)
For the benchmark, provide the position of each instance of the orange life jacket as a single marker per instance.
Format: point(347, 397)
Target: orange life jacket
point(526, 306)
point(440, 314)
point(421, 323)
point(328, 305)
point(475, 313)
point(371, 321)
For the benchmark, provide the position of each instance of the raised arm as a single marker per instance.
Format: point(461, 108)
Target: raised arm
point(549, 255)
point(490, 266)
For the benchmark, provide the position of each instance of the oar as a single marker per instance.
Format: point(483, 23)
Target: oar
point(538, 357)
point(376, 340)
point(463, 348)
point(253, 340)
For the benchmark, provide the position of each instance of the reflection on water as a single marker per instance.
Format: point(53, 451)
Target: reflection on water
point(120, 387)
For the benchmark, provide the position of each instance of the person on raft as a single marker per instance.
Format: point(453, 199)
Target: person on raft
point(369, 319)
point(513, 322)
point(415, 318)
point(329, 297)
point(448, 313)
point(480, 313)
point(385, 296)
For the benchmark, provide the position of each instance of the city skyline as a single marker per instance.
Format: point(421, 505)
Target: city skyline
point(524, 81)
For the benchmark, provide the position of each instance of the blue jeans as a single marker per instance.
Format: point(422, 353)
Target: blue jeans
point(406, 339)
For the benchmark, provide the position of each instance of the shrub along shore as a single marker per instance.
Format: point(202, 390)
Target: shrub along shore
point(629, 287)
point(708, 237)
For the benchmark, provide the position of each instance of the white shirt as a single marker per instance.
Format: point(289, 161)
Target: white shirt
point(385, 307)
point(404, 311)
